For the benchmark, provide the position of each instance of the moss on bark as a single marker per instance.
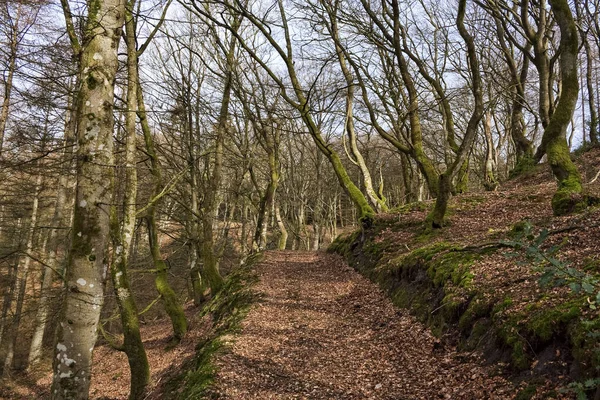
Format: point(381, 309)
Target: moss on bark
point(567, 198)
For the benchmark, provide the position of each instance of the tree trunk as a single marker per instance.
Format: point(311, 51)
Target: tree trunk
point(35, 350)
point(210, 269)
point(491, 183)
point(461, 158)
point(8, 84)
point(357, 158)
point(123, 233)
point(568, 197)
point(88, 258)
point(589, 57)
point(21, 281)
point(282, 244)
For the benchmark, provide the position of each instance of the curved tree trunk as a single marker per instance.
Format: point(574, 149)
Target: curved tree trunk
point(169, 299)
point(446, 178)
point(374, 198)
point(567, 199)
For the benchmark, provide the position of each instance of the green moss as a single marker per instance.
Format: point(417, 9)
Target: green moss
point(546, 323)
point(170, 302)
point(508, 332)
point(478, 307)
point(525, 166)
point(91, 82)
point(343, 243)
point(585, 338)
point(94, 8)
point(519, 228)
point(462, 183)
point(452, 267)
point(566, 201)
point(503, 305)
point(472, 201)
point(407, 208)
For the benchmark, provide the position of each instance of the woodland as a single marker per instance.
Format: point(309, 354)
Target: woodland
point(173, 170)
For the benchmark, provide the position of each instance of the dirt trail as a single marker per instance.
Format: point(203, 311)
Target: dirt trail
point(322, 331)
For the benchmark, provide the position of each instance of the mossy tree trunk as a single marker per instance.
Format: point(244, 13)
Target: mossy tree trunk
point(169, 299)
point(567, 198)
point(518, 79)
point(539, 38)
point(393, 32)
point(357, 158)
point(210, 269)
point(123, 231)
point(88, 258)
point(270, 140)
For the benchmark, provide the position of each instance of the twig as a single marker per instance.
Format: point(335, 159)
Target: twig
point(595, 178)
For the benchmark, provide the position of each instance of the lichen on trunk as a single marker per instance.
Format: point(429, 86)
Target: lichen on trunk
point(88, 259)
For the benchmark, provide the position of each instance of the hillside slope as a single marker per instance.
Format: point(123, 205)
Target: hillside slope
point(478, 282)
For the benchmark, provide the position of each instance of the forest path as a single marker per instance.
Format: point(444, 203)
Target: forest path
point(322, 331)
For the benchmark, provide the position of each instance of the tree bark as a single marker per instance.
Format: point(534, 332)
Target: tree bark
point(567, 199)
point(446, 178)
point(8, 84)
point(35, 349)
point(88, 259)
point(21, 281)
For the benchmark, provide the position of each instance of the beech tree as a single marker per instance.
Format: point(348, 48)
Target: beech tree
point(87, 266)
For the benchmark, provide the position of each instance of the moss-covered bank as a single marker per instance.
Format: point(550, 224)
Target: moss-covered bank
point(435, 281)
point(227, 309)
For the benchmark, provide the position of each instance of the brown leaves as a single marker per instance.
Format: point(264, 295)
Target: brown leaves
point(325, 332)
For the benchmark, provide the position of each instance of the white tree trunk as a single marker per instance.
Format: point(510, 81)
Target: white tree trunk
point(88, 258)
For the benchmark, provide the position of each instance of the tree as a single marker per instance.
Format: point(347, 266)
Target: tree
point(300, 100)
point(567, 198)
point(88, 258)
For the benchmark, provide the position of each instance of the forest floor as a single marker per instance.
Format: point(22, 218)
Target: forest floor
point(322, 331)
point(319, 331)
